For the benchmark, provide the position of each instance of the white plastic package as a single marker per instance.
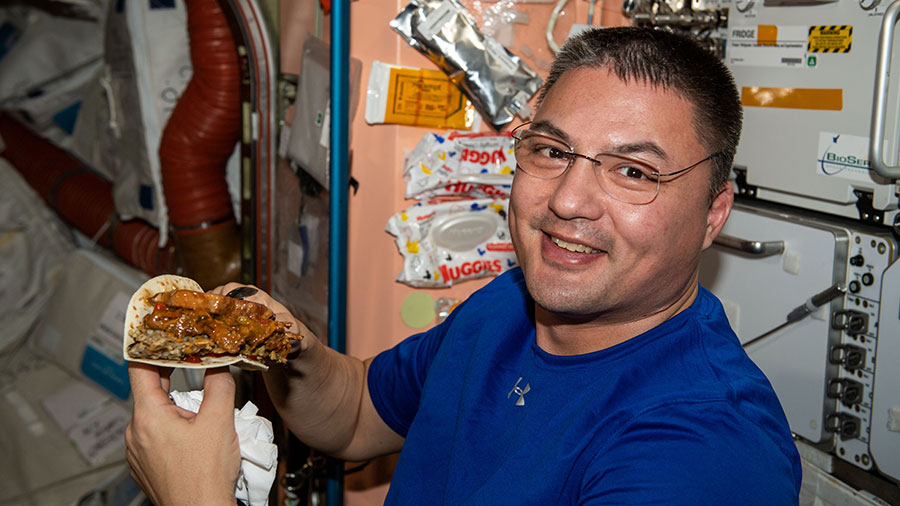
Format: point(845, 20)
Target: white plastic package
point(475, 165)
point(34, 245)
point(446, 242)
point(37, 48)
point(309, 142)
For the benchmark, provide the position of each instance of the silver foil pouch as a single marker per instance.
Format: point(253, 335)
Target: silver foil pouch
point(498, 83)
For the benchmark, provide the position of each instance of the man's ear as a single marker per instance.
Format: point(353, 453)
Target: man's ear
point(718, 212)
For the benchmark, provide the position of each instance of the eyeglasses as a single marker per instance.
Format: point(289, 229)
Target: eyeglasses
point(623, 178)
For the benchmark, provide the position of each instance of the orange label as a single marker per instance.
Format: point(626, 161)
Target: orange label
point(427, 98)
point(767, 35)
point(819, 99)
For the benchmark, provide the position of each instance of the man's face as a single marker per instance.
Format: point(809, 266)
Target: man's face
point(629, 261)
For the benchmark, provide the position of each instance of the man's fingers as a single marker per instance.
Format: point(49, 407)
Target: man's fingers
point(229, 287)
point(165, 377)
point(147, 385)
point(218, 393)
point(223, 289)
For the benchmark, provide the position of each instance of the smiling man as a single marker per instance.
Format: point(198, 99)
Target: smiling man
point(607, 240)
point(598, 373)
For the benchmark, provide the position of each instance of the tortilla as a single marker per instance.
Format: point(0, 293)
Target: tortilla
point(140, 306)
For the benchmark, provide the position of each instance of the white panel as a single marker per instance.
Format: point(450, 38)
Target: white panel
point(782, 148)
point(758, 294)
point(822, 489)
point(885, 436)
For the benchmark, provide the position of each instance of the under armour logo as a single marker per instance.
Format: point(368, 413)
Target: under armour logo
point(516, 389)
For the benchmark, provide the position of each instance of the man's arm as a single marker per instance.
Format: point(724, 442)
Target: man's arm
point(323, 396)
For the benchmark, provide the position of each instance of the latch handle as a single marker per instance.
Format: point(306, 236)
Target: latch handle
point(879, 102)
point(754, 248)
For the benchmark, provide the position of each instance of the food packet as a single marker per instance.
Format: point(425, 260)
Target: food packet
point(475, 165)
point(416, 97)
point(446, 242)
point(497, 82)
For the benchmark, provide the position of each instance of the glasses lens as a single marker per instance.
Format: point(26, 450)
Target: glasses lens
point(541, 156)
point(627, 179)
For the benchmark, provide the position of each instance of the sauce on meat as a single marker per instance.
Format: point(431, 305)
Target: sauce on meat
point(229, 332)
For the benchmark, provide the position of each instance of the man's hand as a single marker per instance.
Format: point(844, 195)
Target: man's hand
point(179, 457)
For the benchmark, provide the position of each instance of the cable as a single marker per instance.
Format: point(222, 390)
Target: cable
point(551, 25)
point(803, 310)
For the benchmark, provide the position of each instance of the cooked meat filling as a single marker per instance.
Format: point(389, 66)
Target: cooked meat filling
point(186, 325)
point(212, 303)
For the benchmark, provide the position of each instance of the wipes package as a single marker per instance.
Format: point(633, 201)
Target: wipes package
point(474, 165)
point(445, 242)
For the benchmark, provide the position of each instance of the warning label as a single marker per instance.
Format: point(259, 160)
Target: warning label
point(830, 39)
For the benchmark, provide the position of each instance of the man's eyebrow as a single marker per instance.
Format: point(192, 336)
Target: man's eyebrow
point(549, 128)
point(633, 148)
point(641, 147)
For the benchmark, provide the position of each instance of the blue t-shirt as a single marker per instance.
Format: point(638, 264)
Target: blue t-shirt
point(678, 415)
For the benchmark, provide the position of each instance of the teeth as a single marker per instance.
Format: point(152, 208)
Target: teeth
point(577, 248)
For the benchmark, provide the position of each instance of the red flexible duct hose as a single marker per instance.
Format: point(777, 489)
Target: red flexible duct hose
point(198, 140)
point(196, 144)
point(82, 198)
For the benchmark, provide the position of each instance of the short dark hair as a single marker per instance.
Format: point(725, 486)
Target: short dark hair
point(673, 62)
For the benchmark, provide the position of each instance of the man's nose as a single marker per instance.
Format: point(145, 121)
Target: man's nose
point(578, 193)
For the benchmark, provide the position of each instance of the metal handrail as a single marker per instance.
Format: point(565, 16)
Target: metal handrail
point(879, 101)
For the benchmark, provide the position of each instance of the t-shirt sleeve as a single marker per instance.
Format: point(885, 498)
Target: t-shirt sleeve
point(691, 454)
point(396, 377)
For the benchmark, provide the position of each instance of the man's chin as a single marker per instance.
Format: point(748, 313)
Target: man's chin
point(566, 304)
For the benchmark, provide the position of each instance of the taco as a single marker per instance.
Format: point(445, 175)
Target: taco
point(171, 321)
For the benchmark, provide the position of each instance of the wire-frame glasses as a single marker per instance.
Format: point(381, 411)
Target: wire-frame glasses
point(623, 178)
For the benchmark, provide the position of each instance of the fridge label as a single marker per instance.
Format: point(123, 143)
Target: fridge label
point(767, 46)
